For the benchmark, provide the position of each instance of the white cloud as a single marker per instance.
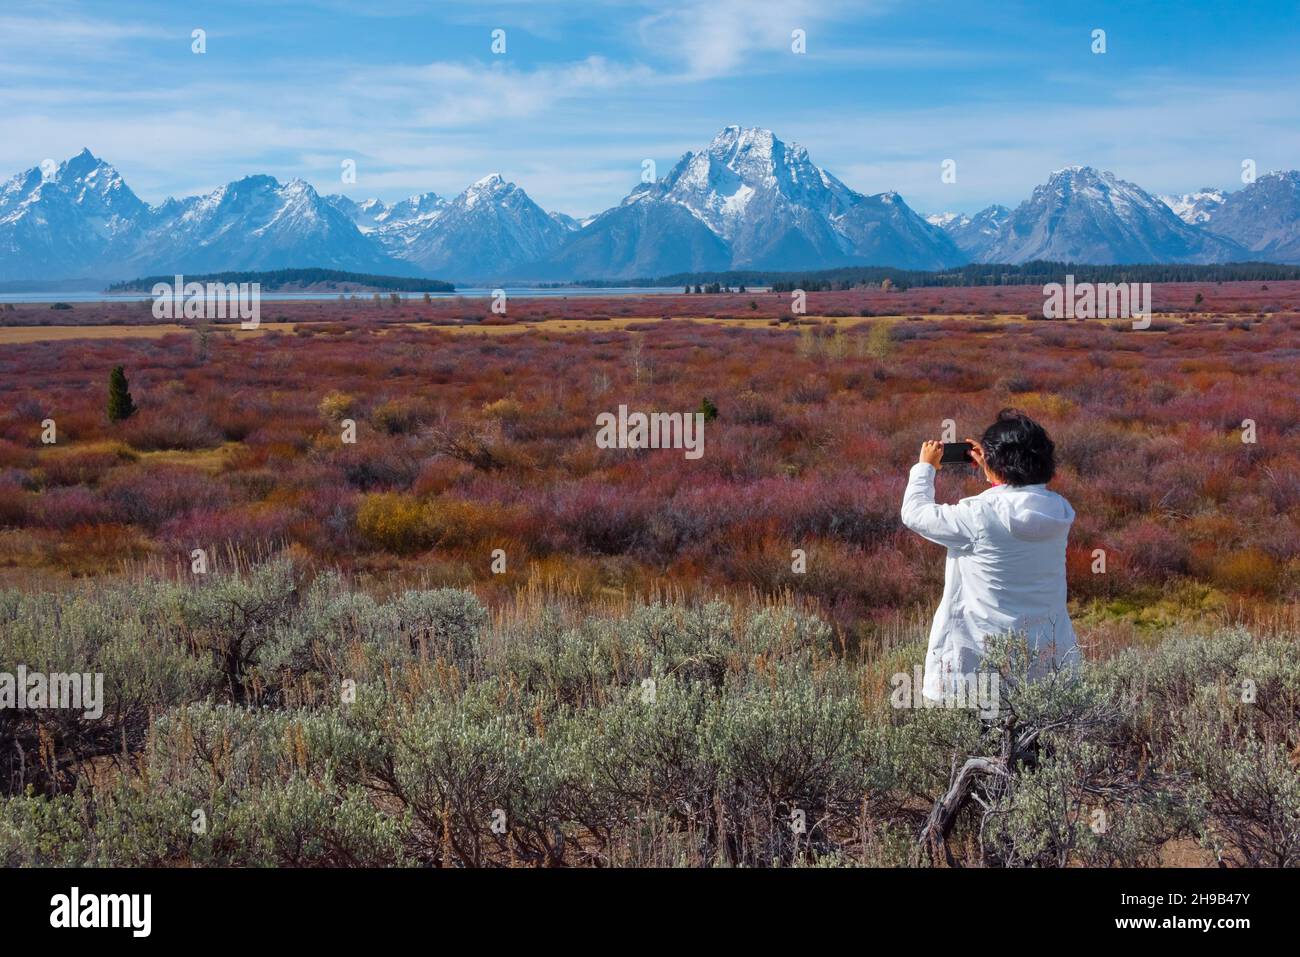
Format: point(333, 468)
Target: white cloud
point(713, 38)
point(59, 31)
point(450, 94)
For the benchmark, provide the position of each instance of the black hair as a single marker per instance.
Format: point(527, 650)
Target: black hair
point(1018, 449)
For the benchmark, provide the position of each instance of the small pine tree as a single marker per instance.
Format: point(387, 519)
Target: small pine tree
point(120, 405)
point(708, 409)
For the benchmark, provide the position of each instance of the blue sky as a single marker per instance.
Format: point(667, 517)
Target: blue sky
point(587, 90)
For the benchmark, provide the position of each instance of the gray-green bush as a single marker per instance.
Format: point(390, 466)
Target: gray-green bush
point(265, 718)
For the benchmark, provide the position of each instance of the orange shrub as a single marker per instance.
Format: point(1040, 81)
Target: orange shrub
point(458, 524)
point(1248, 570)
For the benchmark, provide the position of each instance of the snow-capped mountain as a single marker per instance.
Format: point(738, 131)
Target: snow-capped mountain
point(944, 220)
point(973, 234)
point(762, 203)
point(758, 194)
point(1085, 215)
point(1195, 208)
point(371, 215)
point(1264, 217)
point(409, 209)
point(61, 222)
point(571, 223)
point(484, 233)
point(256, 223)
point(747, 200)
point(82, 220)
point(364, 214)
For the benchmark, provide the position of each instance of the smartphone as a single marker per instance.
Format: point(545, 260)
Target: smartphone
point(956, 453)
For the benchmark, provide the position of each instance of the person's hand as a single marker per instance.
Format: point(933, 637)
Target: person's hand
point(977, 456)
point(931, 453)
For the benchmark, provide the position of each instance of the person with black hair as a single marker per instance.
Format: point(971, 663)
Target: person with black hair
point(1005, 571)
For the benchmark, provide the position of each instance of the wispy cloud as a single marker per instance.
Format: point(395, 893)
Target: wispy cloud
point(59, 29)
point(476, 94)
point(713, 38)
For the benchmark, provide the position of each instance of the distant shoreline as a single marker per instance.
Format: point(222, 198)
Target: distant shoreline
point(48, 297)
point(310, 279)
point(528, 304)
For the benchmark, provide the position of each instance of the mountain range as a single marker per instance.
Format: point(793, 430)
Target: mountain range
point(745, 201)
point(1085, 215)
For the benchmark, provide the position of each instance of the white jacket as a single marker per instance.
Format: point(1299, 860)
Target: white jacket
point(1005, 573)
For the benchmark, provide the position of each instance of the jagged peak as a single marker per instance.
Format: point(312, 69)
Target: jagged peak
point(751, 141)
point(255, 180)
point(1077, 171)
point(1088, 181)
point(81, 164)
point(737, 134)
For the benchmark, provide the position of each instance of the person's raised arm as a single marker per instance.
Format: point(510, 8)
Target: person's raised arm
point(948, 525)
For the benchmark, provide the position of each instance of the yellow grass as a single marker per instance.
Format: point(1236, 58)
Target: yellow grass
point(622, 322)
point(15, 335)
point(12, 335)
point(209, 460)
point(120, 449)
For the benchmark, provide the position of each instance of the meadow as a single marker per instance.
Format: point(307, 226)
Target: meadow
point(465, 444)
point(498, 590)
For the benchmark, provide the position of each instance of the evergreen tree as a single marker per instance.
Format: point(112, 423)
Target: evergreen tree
point(120, 405)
